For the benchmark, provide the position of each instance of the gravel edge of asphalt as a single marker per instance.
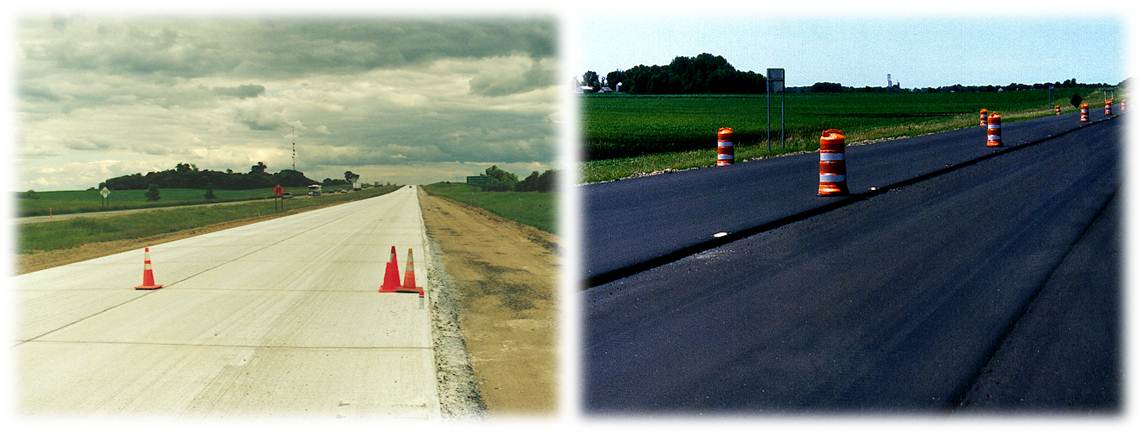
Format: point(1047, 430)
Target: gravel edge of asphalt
point(455, 377)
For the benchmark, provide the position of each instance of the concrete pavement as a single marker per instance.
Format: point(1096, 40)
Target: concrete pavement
point(280, 317)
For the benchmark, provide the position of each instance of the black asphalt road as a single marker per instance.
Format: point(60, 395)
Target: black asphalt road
point(1072, 326)
point(629, 224)
point(909, 300)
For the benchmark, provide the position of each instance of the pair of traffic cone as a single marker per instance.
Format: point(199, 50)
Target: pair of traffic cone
point(391, 282)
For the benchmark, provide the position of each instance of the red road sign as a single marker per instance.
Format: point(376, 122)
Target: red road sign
point(278, 191)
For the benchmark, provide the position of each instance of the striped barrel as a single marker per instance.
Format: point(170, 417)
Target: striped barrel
point(994, 130)
point(982, 118)
point(1057, 110)
point(833, 171)
point(724, 147)
point(1084, 118)
point(1122, 105)
point(1108, 107)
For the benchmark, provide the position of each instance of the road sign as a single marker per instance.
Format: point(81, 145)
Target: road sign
point(775, 78)
point(103, 192)
point(278, 191)
point(774, 82)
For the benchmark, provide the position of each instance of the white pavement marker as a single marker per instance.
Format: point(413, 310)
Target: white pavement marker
point(281, 317)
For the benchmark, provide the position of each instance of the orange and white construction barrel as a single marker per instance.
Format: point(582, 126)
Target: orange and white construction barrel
point(982, 118)
point(833, 171)
point(994, 130)
point(1057, 110)
point(1084, 116)
point(1108, 107)
point(724, 147)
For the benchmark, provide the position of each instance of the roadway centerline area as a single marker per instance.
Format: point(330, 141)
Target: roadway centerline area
point(896, 302)
point(278, 317)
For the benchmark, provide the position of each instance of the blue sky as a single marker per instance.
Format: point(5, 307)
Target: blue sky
point(919, 52)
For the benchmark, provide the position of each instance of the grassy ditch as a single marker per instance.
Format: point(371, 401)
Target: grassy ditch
point(628, 135)
point(70, 233)
point(536, 209)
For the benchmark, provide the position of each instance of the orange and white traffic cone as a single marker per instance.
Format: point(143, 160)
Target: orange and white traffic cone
point(994, 131)
point(982, 118)
point(1083, 118)
point(724, 147)
point(148, 273)
point(410, 277)
point(391, 282)
point(833, 172)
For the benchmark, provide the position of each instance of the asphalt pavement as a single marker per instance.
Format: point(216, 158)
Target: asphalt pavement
point(636, 224)
point(907, 300)
point(280, 317)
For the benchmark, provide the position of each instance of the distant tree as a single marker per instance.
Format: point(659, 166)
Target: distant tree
point(351, 177)
point(152, 193)
point(529, 183)
point(590, 78)
point(210, 193)
point(258, 169)
point(29, 194)
point(500, 179)
point(827, 87)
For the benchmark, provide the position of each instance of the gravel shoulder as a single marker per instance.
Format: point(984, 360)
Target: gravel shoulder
point(501, 285)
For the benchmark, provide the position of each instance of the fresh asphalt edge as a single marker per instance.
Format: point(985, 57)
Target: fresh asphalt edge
point(964, 392)
point(678, 254)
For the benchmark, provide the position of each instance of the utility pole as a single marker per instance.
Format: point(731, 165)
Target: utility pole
point(293, 138)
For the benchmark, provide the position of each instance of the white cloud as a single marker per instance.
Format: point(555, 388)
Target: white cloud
point(437, 97)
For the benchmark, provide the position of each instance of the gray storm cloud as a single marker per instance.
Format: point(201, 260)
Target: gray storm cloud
point(145, 93)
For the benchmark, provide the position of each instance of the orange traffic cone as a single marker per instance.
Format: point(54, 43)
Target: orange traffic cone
point(391, 281)
point(148, 273)
point(410, 277)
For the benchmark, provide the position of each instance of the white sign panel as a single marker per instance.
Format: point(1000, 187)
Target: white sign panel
point(104, 192)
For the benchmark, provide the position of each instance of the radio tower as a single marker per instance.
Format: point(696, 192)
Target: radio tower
point(293, 139)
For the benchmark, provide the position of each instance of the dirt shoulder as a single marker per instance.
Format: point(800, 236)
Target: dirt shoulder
point(504, 278)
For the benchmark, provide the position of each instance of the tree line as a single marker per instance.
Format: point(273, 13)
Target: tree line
point(185, 175)
point(503, 180)
point(709, 74)
point(704, 73)
point(827, 87)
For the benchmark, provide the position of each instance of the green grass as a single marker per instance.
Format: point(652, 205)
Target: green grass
point(536, 209)
point(62, 202)
point(54, 235)
point(627, 135)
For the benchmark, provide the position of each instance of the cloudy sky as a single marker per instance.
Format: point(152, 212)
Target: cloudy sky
point(404, 101)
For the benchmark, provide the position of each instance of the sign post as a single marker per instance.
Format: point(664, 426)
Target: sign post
point(774, 82)
point(278, 198)
point(104, 192)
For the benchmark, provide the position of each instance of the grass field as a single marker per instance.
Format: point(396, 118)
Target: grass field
point(536, 209)
point(62, 202)
point(627, 135)
point(55, 235)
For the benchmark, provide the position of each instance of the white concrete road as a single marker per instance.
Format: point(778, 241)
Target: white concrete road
point(280, 317)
